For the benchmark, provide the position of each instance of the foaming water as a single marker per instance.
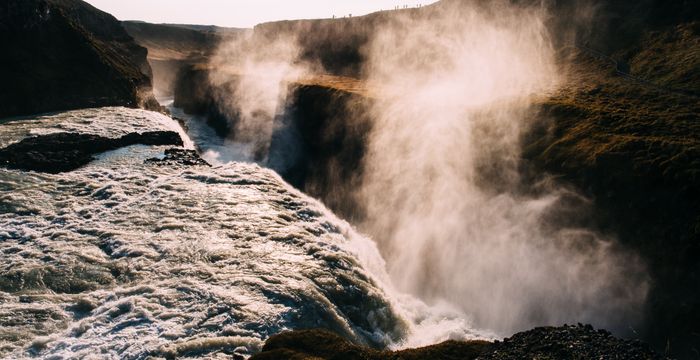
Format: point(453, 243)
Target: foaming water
point(422, 324)
point(212, 147)
point(107, 122)
point(127, 259)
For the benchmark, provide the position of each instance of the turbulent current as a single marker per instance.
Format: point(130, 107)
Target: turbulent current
point(126, 259)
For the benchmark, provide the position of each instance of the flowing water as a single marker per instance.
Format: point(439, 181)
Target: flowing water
point(454, 94)
point(124, 259)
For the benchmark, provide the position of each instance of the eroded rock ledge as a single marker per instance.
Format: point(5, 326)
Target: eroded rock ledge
point(175, 157)
point(61, 152)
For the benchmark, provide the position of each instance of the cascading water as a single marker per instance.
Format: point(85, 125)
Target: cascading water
point(126, 259)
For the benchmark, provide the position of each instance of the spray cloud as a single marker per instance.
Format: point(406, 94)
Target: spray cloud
point(442, 176)
point(250, 76)
point(442, 189)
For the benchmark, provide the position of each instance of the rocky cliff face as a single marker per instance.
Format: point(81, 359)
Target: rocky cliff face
point(65, 54)
point(173, 48)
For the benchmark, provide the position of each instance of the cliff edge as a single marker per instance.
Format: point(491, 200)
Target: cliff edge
point(66, 54)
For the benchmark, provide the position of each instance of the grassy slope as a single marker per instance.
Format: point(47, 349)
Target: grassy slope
point(633, 143)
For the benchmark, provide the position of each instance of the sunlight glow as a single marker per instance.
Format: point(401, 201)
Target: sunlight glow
point(242, 13)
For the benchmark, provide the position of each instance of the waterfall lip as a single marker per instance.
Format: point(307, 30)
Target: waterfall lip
point(129, 258)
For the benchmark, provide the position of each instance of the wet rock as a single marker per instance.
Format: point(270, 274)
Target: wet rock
point(565, 342)
point(322, 344)
point(568, 342)
point(177, 156)
point(61, 152)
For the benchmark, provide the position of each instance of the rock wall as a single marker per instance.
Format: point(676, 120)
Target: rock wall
point(66, 54)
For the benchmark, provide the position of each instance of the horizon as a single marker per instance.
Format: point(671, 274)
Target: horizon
point(242, 13)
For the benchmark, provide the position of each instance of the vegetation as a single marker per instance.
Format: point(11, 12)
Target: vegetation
point(626, 129)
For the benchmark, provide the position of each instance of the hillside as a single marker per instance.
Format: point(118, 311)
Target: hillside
point(178, 42)
point(631, 140)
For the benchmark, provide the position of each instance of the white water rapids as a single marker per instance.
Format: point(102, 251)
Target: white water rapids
point(125, 260)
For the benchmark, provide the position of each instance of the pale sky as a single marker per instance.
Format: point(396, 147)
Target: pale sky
point(241, 13)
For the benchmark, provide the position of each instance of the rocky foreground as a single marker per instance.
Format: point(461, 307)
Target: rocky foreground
point(565, 342)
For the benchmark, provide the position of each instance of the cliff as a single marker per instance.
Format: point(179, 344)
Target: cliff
point(626, 132)
point(173, 47)
point(65, 54)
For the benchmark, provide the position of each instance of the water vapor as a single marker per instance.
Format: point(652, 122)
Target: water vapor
point(442, 190)
point(442, 181)
point(250, 76)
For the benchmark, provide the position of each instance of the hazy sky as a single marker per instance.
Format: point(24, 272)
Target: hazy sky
point(241, 13)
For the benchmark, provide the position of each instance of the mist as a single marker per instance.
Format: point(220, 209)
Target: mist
point(442, 186)
point(442, 191)
point(251, 77)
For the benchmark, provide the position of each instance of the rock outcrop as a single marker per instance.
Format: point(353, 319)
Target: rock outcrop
point(60, 152)
point(66, 54)
point(567, 342)
point(179, 157)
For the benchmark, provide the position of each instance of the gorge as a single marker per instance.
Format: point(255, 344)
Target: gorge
point(501, 166)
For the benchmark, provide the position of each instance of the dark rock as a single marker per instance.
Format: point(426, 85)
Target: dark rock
point(66, 54)
point(332, 128)
point(175, 156)
point(322, 344)
point(195, 95)
point(568, 342)
point(561, 343)
point(56, 153)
